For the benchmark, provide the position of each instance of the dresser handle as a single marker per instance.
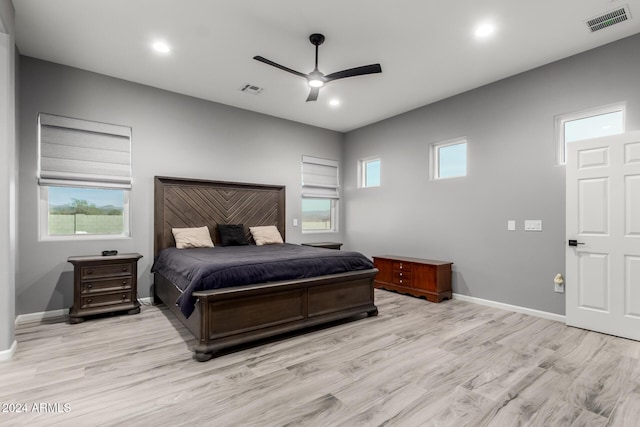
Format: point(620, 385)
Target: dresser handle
point(89, 272)
point(400, 280)
point(400, 274)
point(401, 266)
point(124, 296)
point(89, 286)
point(124, 283)
point(89, 301)
point(124, 268)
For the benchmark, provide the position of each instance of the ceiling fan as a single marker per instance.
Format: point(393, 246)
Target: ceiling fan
point(315, 78)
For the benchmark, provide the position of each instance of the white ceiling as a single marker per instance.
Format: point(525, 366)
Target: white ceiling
point(426, 48)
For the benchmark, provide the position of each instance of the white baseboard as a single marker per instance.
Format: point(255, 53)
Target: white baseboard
point(509, 307)
point(38, 317)
point(8, 354)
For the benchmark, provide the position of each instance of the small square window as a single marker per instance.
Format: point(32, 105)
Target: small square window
point(370, 173)
point(449, 159)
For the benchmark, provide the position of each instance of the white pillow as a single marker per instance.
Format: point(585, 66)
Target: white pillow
point(197, 237)
point(266, 235)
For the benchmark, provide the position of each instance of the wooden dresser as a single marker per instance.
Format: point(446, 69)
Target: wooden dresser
point(104, 284)
point(415, 276)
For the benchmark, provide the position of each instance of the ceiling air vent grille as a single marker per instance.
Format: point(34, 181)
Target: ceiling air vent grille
point(609, 19)
point(249, 88)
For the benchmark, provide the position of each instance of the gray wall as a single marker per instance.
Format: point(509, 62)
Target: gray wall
point(8, 167)
point(173, 135)
point(512, 174)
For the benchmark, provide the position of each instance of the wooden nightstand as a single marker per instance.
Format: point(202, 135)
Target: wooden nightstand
point(104, 284)
point(326, 245)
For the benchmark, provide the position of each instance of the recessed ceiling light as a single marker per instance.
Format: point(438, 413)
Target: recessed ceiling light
point(334, 102)
point(484, 30)
point(161, 47)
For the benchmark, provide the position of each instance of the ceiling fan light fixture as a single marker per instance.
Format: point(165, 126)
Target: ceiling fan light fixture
point(315, 78)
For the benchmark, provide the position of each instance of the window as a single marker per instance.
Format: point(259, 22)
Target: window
point(84, 177)
point(586, 124)
point(319, 194)
point(449, 158)
point(369, 175)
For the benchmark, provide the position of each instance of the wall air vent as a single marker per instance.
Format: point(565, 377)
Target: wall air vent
point(608, 19)
point(249, 88)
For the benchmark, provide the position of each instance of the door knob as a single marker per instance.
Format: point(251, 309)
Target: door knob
point(575, 243)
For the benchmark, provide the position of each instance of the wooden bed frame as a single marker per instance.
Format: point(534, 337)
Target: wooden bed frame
point(231, 316)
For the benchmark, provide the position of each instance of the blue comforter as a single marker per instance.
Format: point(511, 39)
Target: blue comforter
point(212, 268)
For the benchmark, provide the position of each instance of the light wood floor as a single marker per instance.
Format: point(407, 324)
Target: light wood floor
point(416, 364)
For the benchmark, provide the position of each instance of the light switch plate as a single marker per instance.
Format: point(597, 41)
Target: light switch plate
point(532, 225)
point(511, 225)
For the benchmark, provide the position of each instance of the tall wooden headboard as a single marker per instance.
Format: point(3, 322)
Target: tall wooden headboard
point(181, 202)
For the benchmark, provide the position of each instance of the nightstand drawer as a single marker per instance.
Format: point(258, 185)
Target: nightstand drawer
point(108, 285)
point(110, 270)
point(100, 300)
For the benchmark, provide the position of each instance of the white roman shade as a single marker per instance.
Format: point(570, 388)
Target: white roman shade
point(81, 153)
point(319, 178)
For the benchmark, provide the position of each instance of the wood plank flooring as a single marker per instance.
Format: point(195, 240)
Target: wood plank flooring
point(416, 364)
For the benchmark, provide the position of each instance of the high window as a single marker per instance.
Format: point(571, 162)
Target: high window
point(84, 177)
point(320, 194)
point(587, 124)
point(369, 172)
point(449, 158)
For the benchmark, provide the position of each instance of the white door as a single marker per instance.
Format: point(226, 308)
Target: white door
point(603, 222)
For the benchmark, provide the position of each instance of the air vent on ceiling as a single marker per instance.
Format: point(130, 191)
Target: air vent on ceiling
point(608, 19)
point(249, 88)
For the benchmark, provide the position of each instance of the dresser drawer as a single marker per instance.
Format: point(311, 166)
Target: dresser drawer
point(99, 300)
point(106, 285)
point(402, 274)
point(402, 281)
point(89, 272)
point(400, 265)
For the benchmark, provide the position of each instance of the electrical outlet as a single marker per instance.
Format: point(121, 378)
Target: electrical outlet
point(533, 225)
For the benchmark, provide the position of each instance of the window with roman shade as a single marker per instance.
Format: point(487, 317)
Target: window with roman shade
point(82, 153)
point(320, 195)
point(319, 178)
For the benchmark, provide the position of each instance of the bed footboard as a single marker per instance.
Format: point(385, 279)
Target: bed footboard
point(232, 316)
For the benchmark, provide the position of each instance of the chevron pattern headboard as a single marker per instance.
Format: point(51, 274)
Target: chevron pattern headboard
point(181, 202)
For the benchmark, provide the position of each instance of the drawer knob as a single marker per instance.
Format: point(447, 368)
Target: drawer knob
point(400, 274)
point(400, 280)
point(89, 271)
point(89, 301)
point(124, 268)
point(124, 283)
point(400, 265)
point(89, 285)
point(124, 296)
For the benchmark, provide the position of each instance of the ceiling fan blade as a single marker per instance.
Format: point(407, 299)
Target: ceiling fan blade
point(282, 67)
point(353, 72)
point(313, 94)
